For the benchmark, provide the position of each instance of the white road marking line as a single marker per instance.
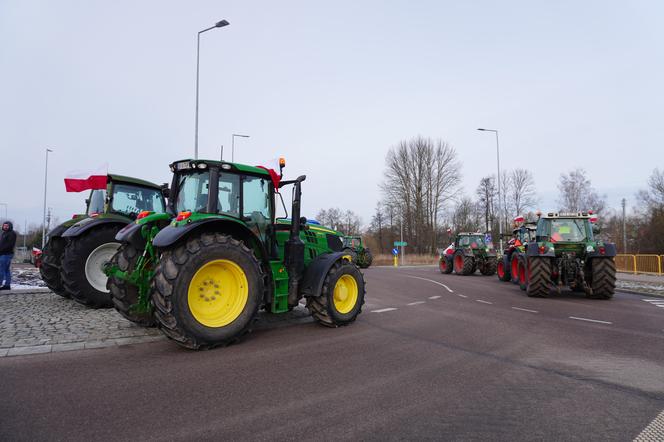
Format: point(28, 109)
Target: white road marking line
point(431, 280)
point(416, 303)
point(654, 431)
point(483, 301)
point(463, 296)
point(525, 310)
point(652, 300)
point(590, 320)
point(383, 310)
point(434, 297)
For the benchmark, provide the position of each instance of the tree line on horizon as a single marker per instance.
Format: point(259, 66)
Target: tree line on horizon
point(422, 197)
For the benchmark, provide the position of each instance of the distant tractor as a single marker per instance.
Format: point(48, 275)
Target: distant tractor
point(469, 252)
point(361, 255)
point(77, 250)
point(508, 264)
point(565, 252)
point(203, 276)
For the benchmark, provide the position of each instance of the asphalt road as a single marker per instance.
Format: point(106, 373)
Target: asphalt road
point(431, 357)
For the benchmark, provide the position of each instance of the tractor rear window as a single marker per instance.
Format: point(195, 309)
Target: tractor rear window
point(130, 199)
point(567, 230)
point(193, 192)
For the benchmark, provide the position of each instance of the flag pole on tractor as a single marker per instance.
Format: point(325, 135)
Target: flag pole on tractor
point(45, 187)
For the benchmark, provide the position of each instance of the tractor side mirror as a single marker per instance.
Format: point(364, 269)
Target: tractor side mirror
point(165, 190)
point(596, 229)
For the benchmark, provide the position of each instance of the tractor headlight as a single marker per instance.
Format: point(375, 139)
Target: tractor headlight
point(590, 249)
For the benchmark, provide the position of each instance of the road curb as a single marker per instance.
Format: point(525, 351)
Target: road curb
point(635, 292)
point(79, 345)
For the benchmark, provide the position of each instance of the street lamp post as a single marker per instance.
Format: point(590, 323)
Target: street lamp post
point(233, 145)
point(500, 200)
point(45, 187)
point(219, 24)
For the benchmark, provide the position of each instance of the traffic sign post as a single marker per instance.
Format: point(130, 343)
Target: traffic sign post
point(395, 254)
point(401, 244)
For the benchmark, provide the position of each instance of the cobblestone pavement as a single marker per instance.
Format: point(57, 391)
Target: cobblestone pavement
point(39, 322)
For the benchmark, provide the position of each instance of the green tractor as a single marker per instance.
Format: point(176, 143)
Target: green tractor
point(203, 276)
point(566, 253)
point(508, 264)
point(470, 252)
point(77, 250)
point(354, 246)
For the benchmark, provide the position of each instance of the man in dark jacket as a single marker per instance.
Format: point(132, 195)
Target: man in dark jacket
point(7, 243)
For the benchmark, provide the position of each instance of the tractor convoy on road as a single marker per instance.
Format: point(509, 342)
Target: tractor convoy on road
point(558, 250)
point(201, 257)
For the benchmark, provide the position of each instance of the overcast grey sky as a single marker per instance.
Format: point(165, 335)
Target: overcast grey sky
point(331, 86)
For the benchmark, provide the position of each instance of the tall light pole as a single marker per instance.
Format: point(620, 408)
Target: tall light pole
point(219, 24)
point(500, 201)
point(6, 205)
point(45, 187)
point(233, 145)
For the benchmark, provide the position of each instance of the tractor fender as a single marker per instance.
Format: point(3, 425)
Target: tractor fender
point(131, 233)
point(88, 223)
point(58, 231)
point(315, 273)
point(609, 251)
point(170, 235)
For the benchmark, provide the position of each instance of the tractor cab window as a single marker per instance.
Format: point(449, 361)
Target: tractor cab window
point(478, 241)
point(567, 230)
point(256, 199)
point(192, 193)
point(97, 200)
point(131, 200)
point(464, 241)
point(228, 201)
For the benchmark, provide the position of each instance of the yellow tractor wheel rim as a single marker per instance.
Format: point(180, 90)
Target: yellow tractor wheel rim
point(218, 293)
point(345, 294)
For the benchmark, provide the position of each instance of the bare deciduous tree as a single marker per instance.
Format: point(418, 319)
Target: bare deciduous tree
point(486, 193)
point(521, 191)
point(576, 193)
point(421, 176)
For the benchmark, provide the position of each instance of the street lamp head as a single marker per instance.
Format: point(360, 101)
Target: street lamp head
point(221, 24)
point(480, 129)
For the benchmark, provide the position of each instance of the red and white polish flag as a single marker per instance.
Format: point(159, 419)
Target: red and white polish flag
point(272, 167)
point(80, 180)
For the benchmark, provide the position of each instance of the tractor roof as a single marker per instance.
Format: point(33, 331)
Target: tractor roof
point(470, 233)
point(130, 180)
point(579, 215)
point(195, 164)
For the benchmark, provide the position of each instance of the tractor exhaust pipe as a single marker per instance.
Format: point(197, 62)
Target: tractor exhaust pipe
point(294, 248)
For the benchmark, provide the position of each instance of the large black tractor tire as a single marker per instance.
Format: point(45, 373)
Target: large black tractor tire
point(364, 259)
point(445, 265)
point(51, 264)
point(489, 267)
point(352, 253)
point(463, 265)
point(503, 271)
point(206, 292)
point(341, 298)
point(603, 278)
point(83, 262)
point(123, 294)
point(514, 268)
point(539, 277)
